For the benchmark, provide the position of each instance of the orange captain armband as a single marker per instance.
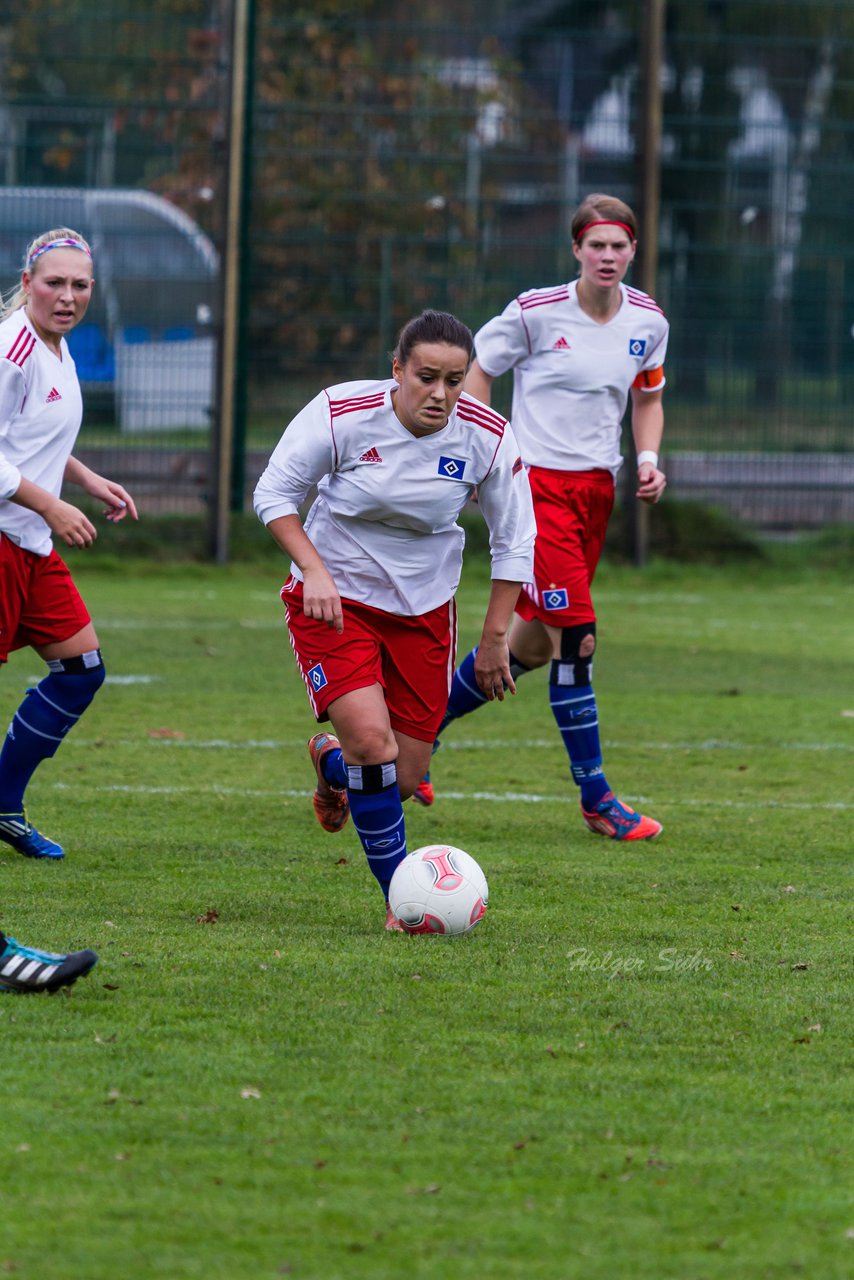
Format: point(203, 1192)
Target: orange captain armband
point(650, 379)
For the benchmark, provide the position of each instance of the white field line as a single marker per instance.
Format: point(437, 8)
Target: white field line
point(477, 744)
point(190, 624)
point(495, 797)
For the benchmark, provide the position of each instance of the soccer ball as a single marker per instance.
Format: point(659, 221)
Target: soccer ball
point(438, 889)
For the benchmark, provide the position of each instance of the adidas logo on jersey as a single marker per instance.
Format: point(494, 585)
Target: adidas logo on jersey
point(54, 395)
point(370, 455)
point(561, 345)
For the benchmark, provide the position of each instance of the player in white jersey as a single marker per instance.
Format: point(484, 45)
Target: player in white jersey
point(577, 351)
point(40, 414)
point(370, 597)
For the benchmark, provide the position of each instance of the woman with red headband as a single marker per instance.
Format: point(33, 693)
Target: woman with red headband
point(577, 351)
point(40, 415)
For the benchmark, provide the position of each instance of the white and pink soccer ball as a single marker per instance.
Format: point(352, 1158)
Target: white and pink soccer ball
point(438, 889)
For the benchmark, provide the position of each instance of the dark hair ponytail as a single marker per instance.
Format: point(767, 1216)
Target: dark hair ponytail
point(433, 326)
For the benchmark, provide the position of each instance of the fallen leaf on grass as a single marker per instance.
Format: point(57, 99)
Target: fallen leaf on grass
point(800, 965)
point(110, 986)
point(343, 862)
point(210, 917)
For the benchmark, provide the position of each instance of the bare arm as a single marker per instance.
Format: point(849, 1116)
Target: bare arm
point(492, 662)
point(647, 429)
point(66, 521)
point(478, 383)
point(118, 501)
point(320, 594)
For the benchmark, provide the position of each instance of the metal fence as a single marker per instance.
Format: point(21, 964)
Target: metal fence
point(392, 163)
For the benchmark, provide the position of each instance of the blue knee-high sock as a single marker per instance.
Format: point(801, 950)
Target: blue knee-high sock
point(465, 695)
point(334, 769)
point(377, 814)
point(574, 710)
point(44, 717)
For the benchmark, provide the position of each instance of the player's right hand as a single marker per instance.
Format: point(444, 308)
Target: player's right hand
point(70, 524)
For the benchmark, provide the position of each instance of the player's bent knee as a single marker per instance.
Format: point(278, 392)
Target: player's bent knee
point(369, 746)
point(577, 646)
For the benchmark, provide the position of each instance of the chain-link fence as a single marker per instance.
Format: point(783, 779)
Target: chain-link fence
point(395, 163)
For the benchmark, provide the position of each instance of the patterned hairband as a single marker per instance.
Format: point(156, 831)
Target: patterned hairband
point(605, 222)
point(59, 244)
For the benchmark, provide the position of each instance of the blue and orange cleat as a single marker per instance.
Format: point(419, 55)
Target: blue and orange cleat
point(619, 822)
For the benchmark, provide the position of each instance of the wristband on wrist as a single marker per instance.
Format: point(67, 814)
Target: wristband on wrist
point(648, 455)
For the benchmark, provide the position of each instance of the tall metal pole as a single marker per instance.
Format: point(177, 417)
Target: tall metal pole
point(649, 208)
point(227, 370)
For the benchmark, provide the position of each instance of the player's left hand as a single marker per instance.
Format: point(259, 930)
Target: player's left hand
point(119, 502)
point(651, 483)
point(492, 669)
point(116, 499)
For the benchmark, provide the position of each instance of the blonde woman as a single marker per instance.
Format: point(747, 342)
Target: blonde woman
point(40, 414)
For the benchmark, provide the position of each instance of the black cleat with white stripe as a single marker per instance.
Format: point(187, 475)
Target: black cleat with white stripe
point(27, 971)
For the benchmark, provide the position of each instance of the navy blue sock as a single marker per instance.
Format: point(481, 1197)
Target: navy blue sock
point(465, 695)
point(574, 709)
point(377, 814)
point(44, 717)
point(334, 769)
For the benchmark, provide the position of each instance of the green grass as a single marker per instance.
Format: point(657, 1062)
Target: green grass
point(637, 1067)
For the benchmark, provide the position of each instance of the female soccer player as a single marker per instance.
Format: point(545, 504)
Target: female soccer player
point(370, 597)
point(577, 352)
point(40, 414)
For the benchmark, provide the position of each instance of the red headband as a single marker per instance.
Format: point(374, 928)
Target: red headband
point(605, 222)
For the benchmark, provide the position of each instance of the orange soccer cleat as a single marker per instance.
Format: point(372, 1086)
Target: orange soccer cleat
point(331, 806)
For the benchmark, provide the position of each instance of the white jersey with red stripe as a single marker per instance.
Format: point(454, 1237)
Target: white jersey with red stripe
point(385, 517)
point(572, 376)
point(40, 414)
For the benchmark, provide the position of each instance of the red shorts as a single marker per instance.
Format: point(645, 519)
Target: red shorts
point(412, 658)
point(39, 603)
point(572, 510)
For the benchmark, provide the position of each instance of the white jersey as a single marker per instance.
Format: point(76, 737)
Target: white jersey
point(40, 414)
point(385, 518)
point(572, 376)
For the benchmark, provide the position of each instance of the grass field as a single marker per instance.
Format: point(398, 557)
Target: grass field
point(637, 1067)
